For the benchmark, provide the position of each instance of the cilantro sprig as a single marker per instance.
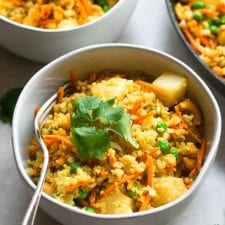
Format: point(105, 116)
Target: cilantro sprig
point(92, 122)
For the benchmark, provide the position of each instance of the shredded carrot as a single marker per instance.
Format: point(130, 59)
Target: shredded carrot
point(60, 132)
point(45, 11)
point(170, 168)
point(73, 78)
point(103, 173)
point(136, 107)
point(149, 166)
point(146, 203)
point(86, 6)
point(221, 7)
point(142, 118)
point(193, 172)
point(130, 184)
point(73, 187)
point(112, 159)
point(47, 21)
point(126, 178)
point(92, 198)
point(153, 151)
point(33, 149)
point(36, 171)
point(60, 94)
point(150, 87)
point(61, 160)
point(83, 13)
point(192, 41)
point(204, 41)
point(92, 78)
point(37, 108)
point(17, 2)
point(209, 13)
point(179, 114)
point(62, 139)
point(83, 202)
point(200, 154)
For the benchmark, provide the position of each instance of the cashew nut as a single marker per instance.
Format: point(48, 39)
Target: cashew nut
point(188, 107)
point(189, 163)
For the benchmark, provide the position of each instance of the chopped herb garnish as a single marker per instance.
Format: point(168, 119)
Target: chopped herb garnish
point(104, 4)
point(92, 122)
point(7, 104)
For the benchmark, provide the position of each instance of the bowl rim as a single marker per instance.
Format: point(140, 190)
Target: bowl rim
point(207, 163)
point(68, 29)
point(211, 76)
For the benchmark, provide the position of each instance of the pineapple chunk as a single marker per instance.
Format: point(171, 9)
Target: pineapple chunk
point(115, 203)
point(167, 189)
point(174, 87)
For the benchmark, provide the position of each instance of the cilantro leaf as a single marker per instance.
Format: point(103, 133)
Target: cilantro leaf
point(84, 107)
point(122, 127)
point(90, 141)
point(79, 120)
point(86, 104)
point(91, 123)
point(7, 104)
point(108, 114)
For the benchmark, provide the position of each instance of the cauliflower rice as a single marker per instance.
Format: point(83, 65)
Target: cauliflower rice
point(125, 178)
point(203, 24)
point(54, 14)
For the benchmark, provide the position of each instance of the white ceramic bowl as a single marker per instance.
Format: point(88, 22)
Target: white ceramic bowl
point(119, 57)
point(45, 45)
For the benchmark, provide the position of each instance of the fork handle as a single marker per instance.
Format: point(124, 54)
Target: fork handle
point(30, 214)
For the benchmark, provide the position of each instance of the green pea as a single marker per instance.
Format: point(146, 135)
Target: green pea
point(101, 3)
point(164, 145)
point(174, 151)
point(210, 22)
point(106, 8)
point(198, 5)
point(89, 209)
point(198, 16)
point(222, 18)
point(161, 127)
point(73, 204)
point(74, 166)
point(213, 29)
point(145, 175)
point(217, 22)
point(133, 192)
point(82, 194)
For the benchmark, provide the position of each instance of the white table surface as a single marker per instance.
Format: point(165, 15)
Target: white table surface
point(150, 26)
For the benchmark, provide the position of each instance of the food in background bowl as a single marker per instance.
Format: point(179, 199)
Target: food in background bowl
point(125, 59)
point(54, 14)
point(120, 144)
point(44, 45)
point(203, 24)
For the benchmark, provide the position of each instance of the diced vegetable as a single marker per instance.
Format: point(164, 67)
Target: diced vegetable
point(115, 203)
point(167, 189)
point(174, 87)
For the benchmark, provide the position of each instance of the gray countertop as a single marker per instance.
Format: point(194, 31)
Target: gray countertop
point(149, 26)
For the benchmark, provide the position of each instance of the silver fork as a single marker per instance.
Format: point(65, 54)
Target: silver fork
point(40, 118)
